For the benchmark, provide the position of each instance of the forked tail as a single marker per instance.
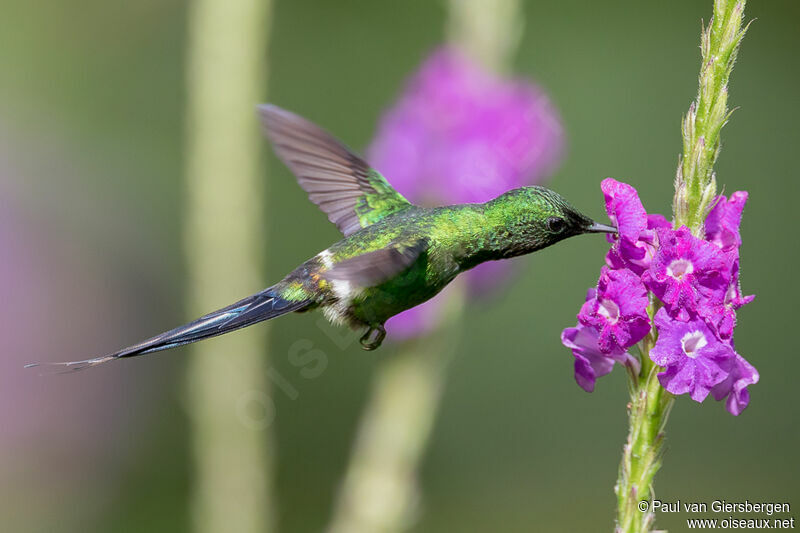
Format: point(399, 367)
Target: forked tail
point(256, 308)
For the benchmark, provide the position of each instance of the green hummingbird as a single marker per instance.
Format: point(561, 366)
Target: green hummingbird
point(394, 255)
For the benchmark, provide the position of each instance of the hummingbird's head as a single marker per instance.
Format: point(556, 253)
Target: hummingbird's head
point(536, 217)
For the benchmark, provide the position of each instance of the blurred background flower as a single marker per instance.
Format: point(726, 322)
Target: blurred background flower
point(459, 133)
point(62, 446)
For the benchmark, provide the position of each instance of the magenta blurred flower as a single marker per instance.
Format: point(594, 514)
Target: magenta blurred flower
point(64, 439)
point(460, 134)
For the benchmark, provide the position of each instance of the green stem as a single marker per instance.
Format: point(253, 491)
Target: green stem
point(228, 398)
point(487, 32)
point(695, 184)
point(380, 491)
point(380, 487)
point(695, 190)
point(647, 415)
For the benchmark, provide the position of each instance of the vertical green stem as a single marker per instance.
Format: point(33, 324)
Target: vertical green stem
point(379, 489)
point(641, 457)
point(695, 190)
point(224, 233)
point(695, 183)
point(488, 32)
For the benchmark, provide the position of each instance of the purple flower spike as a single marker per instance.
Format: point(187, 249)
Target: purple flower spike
point(735, 386)
point(698, 282)
point(722, 223)
point(695, 359)
point(617, 311)
point(688, 274)
point(457, 134)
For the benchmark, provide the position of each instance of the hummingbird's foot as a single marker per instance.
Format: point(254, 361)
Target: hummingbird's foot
point(373, 337)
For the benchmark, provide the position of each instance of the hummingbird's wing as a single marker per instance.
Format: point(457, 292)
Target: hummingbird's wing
point(343, 185)
point(373, 268)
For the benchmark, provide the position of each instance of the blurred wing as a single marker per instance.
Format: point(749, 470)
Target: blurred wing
point(343, 185)
point(373, 268)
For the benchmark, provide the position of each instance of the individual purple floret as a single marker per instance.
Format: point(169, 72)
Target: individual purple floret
point(637, 256)
point(655, 221)
point(689, 275)
point(722, 229)
point(722, 223)
point(695, 359)
point(590, 362)
point(636, 242)
point(617, 310)
point(723, 315)
point(624, 209)
point(735, 386)
point(459, 133)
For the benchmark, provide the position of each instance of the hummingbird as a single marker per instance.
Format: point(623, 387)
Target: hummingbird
point(394, 254)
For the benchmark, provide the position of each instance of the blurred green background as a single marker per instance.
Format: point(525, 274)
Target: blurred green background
point(92, 97)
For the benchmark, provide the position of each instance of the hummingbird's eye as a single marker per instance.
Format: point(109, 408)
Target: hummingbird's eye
point(556, 225)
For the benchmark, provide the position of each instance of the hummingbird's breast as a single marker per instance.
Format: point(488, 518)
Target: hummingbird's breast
point(454, 239)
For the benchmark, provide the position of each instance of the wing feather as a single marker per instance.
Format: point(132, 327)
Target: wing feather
point(343, 185)
point(373, 268)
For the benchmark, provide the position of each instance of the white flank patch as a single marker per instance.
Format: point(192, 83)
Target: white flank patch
point(337, 312)
point(342, 290)
point(334, 313)
point(326, 257)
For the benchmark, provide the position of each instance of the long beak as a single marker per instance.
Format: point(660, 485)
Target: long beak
point(600, 228)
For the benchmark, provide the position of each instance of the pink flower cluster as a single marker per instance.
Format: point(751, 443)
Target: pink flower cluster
point(461, 134)
point(697, 283)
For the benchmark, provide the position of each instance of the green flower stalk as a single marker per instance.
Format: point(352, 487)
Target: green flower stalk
point(695, 183)
point(379, 492)
point(648, 412)
point(224, 232)
point(487, 34)
point(695, 194)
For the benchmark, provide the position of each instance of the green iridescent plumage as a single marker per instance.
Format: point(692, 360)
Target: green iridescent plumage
point(394, 255)
point(446, 241)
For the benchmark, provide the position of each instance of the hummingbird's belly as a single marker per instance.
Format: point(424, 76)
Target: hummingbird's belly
point(375, 305)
